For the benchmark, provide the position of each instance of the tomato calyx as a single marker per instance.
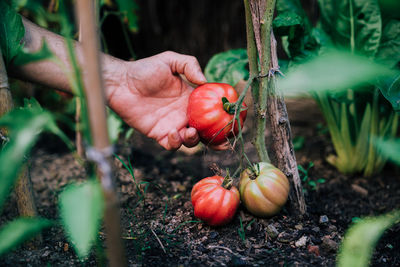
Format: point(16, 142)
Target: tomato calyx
point(254, 171)
point(230, 107)
point(228, 182)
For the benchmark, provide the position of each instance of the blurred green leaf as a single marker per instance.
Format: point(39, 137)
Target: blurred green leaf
point(129, 10)
point(360, 239)
point(389, 148)
point(333, 71)
point(24, 126)
point(19, 230)
point(114, 124)
point(354, 23)
point(25, 57)
point(389, 49)
point(298, 142)
point(81, 208)
point(12, 32)
point(228, 67)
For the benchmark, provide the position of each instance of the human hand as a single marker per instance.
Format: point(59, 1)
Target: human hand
point(150, 96)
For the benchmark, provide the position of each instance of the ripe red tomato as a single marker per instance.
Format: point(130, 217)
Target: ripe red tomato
point(264, 192)
point(208, 113)
point(213, 203)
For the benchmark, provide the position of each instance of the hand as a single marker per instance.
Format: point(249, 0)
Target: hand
point(150, 96)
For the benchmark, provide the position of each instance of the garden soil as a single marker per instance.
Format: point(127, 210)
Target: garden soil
point(159, 227)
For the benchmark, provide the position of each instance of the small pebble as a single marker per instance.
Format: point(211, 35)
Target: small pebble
point(301, 242)
point(329, 244)
point(323, 219)
point(314, 250)
point(271, 231)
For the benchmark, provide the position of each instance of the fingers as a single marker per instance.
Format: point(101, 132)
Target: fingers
point(190, 137)
point(186, 65)
point(174, 140)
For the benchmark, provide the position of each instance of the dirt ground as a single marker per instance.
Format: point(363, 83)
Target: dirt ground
point(161, 230)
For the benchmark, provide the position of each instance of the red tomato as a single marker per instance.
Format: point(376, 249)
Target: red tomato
point(213, 203)
point(210, 116)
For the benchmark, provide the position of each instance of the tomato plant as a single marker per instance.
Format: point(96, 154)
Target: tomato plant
point(211, 111)
point(264, 189)
point(215, 200)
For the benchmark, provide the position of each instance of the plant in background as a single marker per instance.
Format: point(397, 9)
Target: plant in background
point(305, 177)
point(357, 113)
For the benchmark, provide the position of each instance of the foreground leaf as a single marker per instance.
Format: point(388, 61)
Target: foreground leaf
point(389, 148)
point(333, 71)
point(24, 126)
point(25, 57)
point(81, 209)
point(360, 240)
point(16, 232)
point(11, 32)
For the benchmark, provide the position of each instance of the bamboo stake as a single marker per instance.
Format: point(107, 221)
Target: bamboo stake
point(23, 189)
point(270, 104)
point(98, 124)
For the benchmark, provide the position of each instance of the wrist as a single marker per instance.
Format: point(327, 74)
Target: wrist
point(114, 75)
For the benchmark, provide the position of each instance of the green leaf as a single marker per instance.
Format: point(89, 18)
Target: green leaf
point(388, 148)
point(360, 239)
point(287, 23)
point(16, 232)
point(81, 208)
point(389, 49)
point(333, 71)
point(24, 126)
point(12, 32)
point(390, 88)
point(228, 67)
point(114, 124)
point(129, 10)
point(25, 57)
point(352, 24)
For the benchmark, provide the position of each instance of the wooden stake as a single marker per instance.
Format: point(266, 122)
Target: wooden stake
point(95, 97)
point(23, 189)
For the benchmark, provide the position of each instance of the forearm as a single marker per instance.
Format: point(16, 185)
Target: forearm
point(50, 73)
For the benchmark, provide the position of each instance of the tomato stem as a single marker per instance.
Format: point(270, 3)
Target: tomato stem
point(228, 181)
point(228, 106)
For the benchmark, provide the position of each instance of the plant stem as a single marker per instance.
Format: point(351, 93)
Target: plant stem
point(271, 104)
point(98, 125)
point(258, 95)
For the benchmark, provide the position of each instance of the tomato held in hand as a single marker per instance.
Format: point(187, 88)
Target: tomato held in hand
point(215, 200)
point(263, 190)
point(211, 111)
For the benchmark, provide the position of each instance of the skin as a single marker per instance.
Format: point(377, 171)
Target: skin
point(151, 95)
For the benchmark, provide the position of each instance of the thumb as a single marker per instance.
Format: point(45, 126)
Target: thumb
point(186, 65)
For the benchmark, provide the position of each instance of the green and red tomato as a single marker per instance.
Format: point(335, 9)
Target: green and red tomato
point(264, 189)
